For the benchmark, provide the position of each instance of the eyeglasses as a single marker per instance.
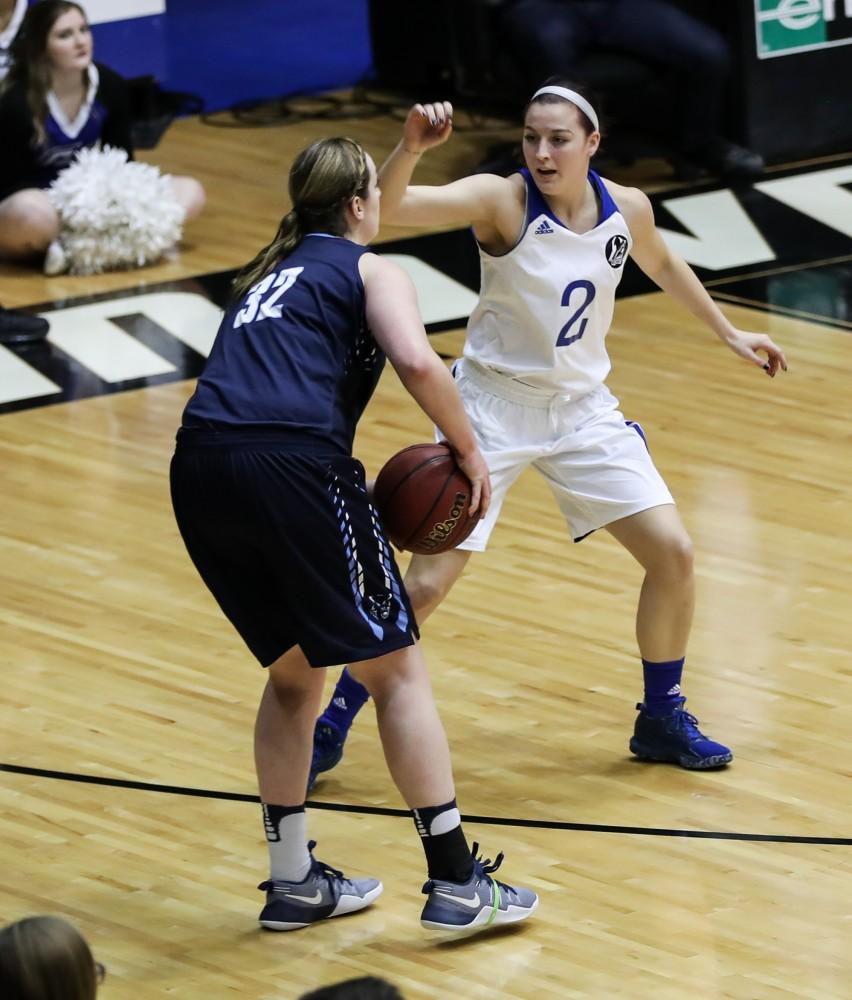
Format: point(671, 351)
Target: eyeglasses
point(100, 972)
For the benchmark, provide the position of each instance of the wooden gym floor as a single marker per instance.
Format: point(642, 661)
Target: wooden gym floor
point(127, 704)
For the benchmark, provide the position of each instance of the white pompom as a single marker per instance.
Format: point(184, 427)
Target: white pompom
point(114, 213)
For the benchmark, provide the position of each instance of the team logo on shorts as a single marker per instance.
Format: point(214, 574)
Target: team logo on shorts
point(380, 606)
point(616, 250)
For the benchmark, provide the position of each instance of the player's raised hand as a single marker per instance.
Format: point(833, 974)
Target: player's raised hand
point(427, 125)
point(760, 349)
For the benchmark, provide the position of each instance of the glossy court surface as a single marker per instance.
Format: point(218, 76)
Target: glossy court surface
point(128, 791)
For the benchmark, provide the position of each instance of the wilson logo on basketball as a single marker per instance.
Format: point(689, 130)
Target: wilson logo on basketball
point(443, 529)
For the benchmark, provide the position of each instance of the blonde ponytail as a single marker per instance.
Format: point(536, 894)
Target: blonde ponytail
point(287, 238)
point(324, 178)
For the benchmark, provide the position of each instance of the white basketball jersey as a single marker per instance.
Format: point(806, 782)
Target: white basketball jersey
point(545, 306)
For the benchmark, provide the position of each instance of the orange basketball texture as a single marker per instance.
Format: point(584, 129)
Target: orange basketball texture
point(423, 499)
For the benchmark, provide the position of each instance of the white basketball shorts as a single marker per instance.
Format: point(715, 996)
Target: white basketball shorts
point(596, 463)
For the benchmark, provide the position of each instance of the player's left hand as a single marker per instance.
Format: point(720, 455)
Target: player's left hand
point(753, 347)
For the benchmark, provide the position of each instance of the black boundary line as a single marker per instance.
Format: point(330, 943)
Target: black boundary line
point(647, 831)
point(773, 272)
point(774, 309)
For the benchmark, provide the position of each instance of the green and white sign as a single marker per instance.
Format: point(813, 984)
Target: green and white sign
point(783, 27)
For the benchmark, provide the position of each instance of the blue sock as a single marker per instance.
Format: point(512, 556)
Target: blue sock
point(662, 686)
point(346, 702)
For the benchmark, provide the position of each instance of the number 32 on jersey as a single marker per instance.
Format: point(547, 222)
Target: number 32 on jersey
point(258, 307)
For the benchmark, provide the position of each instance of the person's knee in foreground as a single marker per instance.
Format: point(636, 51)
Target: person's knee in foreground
point(537, 346)
point(46, 958)
point(276, 517)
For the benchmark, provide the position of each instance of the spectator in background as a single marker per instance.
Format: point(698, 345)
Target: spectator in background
point(15, 327)
point(548, 37)
point(57, 101)
point(11, 14)
point(46, 958)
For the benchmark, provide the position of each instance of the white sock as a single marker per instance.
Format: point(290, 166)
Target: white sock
point(287, 840)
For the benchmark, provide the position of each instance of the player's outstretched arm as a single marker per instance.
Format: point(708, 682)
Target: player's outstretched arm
point(394, 319)
point(464, 202)
point(671, 272)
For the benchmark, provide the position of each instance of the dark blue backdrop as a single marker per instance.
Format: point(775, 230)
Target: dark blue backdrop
point(227, 51)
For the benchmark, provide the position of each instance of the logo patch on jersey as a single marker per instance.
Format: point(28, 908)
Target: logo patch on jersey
point(543, 227)
point(616, 250)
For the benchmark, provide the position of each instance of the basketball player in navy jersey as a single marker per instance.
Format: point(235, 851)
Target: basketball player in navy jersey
point(532, 381)
point(275, 515)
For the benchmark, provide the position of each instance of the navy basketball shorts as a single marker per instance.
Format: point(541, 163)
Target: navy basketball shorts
point(291, 548)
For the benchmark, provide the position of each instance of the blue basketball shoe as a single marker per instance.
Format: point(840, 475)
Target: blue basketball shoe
point(675, 738)
point(324, 892)
point(480, 902)
point(328, 750)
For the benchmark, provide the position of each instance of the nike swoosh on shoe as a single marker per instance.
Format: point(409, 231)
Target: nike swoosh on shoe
point(474, 904)
point(301, 899)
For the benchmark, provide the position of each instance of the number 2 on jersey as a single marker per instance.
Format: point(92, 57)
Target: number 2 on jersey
point(278, 282)
point(576, 319)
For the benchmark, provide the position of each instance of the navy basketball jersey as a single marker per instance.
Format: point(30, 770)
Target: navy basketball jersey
point(294, 354)
point(546, 305)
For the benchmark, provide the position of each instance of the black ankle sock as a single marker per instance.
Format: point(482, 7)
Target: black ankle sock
point(448, 856)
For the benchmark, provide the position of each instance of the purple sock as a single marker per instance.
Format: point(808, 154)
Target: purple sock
point(346, 702)
point(662, 686)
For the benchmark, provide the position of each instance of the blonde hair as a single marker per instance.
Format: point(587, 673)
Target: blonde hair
point(324, 178)
point(45, 958)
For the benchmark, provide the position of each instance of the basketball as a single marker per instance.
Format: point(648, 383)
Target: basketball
point(423, 499)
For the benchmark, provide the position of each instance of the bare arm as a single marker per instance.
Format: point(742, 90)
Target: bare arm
point(395, 321)
point(671, 272)
point(472, 201)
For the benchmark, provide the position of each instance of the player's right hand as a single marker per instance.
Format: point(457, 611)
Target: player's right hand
point(427, 125)
point(474, 467)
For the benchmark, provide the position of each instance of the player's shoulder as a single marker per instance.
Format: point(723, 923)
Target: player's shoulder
point(632, 202)
point(376, 269)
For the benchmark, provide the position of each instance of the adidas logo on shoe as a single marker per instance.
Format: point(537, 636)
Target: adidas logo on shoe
point(543, 228)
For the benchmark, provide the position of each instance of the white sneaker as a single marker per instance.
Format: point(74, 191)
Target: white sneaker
point(55, 260)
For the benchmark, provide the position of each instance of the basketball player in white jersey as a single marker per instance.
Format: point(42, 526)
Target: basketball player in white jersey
point(553, 240)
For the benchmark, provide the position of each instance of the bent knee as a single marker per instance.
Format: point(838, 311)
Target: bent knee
point(28, 221)
point(191, 195)
point(677, 555)
point(426, 593)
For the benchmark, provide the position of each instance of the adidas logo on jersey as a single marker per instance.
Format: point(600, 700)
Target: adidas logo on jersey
point(543, 227)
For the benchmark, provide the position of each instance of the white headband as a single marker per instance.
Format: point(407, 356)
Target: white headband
point(574, 98)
